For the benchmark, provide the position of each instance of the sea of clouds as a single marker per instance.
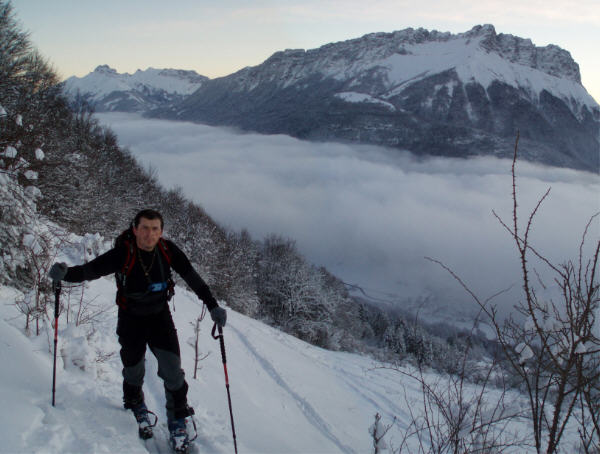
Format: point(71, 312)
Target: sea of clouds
point(371, 215)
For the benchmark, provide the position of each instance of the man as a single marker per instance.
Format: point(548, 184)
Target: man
point(142, 262)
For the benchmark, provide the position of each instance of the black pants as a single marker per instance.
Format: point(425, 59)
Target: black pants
point(158, 332)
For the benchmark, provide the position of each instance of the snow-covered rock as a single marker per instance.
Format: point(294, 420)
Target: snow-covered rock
point(9, 152)
point(31, 175)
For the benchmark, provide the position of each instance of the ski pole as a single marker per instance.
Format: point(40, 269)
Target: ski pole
point(56, 286)
point(222, 342)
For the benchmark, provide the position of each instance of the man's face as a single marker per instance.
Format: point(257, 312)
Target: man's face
point(147, 233)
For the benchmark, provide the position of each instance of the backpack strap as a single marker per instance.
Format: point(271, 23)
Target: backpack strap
point(129, 258)
point(121, 276)
point(164, 249)
point(166, 252)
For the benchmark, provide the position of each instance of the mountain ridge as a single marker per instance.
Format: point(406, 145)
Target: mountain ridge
point(107, 90)
point(428, 92)
point(432, 93)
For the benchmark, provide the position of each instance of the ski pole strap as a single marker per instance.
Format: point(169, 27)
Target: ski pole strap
point(222, 342)
point(213, 332)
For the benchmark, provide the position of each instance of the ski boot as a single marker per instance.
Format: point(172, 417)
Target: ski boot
point(142, 416)
point(178, 435)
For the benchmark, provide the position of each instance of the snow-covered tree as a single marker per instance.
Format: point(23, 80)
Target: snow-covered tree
point(290, 290)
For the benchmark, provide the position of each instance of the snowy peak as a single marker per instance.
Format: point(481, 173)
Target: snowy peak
point(106, 89)
point(550, 59)
point(105, 69)
point(104, 79)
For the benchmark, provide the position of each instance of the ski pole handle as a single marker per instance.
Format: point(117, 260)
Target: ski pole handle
point(57, 287)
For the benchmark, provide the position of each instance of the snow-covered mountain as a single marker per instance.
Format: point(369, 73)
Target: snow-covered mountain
point(425, 91)
point(141, 91)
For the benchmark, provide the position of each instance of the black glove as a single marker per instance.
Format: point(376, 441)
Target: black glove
point(219, 316)
point(58, 271)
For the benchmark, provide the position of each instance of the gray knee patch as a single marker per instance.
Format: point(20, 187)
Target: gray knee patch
point(134, 375)
point(169, 368)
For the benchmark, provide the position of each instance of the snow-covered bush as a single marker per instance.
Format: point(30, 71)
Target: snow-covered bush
point(378, 432)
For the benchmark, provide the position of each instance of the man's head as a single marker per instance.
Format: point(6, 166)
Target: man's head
point(147, 228)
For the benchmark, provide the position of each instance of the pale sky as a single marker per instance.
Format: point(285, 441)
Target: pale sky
point(218, 38)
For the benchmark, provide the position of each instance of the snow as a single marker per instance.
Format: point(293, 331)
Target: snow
point(472, 63)
point(105, 80)
point(287, 396)
point(525, 352)
point(31, 175)
point(32, 192)
point(581, 348)
point(354, 97)
point(9, 152)
point(31, 242)
point(165, 80)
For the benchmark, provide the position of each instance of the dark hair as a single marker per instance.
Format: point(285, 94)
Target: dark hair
point(148, 214)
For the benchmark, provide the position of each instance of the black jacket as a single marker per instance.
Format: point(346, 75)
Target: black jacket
point(137, 282)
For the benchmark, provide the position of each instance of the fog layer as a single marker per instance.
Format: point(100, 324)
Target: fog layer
point(371, 215)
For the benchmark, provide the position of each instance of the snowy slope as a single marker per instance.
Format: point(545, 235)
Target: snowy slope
point(474, 63)
point(288, 396)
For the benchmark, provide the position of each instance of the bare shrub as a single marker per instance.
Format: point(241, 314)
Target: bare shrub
point(553, 348)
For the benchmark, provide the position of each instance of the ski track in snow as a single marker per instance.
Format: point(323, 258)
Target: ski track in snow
point(376, 399)
point(153, 446)
point(358, 383)
point(309, 412)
